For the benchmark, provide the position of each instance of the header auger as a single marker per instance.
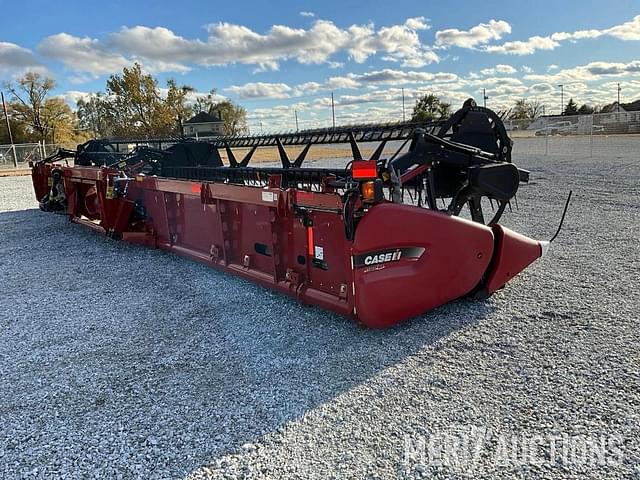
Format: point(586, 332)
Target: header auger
point(379, 240)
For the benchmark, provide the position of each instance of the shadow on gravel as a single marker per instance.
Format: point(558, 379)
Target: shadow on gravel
point(120, 359)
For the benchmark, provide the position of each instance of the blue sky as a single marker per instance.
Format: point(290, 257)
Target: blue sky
point(276, 57)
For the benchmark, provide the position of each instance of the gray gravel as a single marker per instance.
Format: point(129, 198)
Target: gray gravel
point(122, 362)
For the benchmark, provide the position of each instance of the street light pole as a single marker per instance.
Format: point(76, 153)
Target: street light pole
point(403, 114)
point(295, 112)
point(333, 111)
point(484, 97)
point(561, 99)
point(6, 118)
point(619, 88)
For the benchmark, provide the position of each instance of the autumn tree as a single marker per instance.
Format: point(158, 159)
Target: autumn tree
point(430, 107)
point(95, 116)
point(137, 106)
point(40, 116)
point(233, 115)
point(205, 103)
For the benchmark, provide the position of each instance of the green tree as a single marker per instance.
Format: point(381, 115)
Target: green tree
point(586, 110)
point(430, 107)
point(18, 130)
point(571, 108)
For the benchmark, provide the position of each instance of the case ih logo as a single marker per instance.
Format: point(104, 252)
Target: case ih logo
point(387, 256)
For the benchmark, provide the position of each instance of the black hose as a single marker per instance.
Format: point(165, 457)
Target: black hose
point(566, 206)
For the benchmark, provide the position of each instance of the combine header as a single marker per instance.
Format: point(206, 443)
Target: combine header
point(380, 240)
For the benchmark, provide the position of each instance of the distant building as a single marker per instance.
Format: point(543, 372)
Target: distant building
point(204, 125)
point(621, 108)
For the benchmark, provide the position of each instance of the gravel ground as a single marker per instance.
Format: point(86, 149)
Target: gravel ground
point(122, 362)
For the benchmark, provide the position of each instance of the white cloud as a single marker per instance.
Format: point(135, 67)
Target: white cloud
point(524, 47)
point(81, 54)
point(499, 70)
point(160, 49)
point(307, 14)
point(397, 77)
point(478, 35)
point(541, 88)
point(261, 90)
point(626, 31)
point(15, 59)
point(73, 96)
point(587, 73)
point(367, 80)
point(417, 23)
point(398, 43)
point(94, 57)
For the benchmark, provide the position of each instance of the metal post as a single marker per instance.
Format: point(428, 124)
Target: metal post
point(295, 112)
point(484, 97)
point(591, 139)
point(6, 118)
point(561, 99)
point(546, 144)
point(403, 114)
point(619, 96)
point(618, 109)
point(333, 111)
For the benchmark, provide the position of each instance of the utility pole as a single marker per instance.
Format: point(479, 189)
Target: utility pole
point(6, 118)
point(561, 99)
point(403, 114)
point(619, 88)
point(260, 127)
point(333, 111)
point(484, 97)
point(295, 112)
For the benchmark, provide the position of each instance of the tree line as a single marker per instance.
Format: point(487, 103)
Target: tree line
point(524, 109)
point(132, 105)
point(431, 107)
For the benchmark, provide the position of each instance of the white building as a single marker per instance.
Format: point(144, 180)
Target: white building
point(204, 125)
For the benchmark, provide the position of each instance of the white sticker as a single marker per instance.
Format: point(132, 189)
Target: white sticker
point(268, 196)
point(319, 252)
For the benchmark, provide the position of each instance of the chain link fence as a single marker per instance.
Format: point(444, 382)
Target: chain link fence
point(602, 134)
point(18, 156)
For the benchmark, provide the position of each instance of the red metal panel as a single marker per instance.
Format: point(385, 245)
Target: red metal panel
point(514, 253)
point(456, 255)
point(404, 260)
